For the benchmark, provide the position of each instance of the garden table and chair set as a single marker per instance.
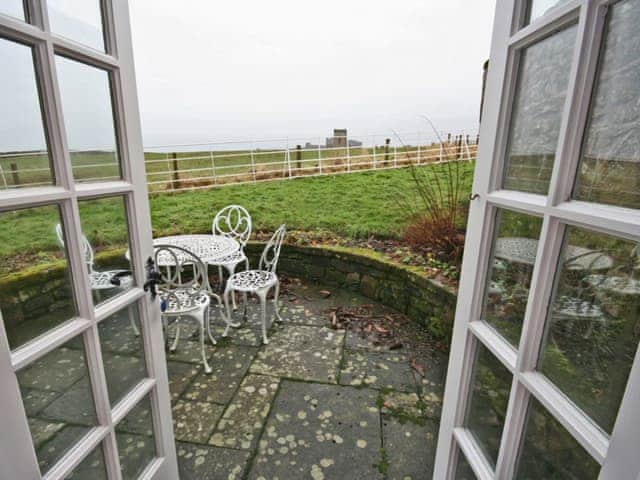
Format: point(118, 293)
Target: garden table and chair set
point(182, 275)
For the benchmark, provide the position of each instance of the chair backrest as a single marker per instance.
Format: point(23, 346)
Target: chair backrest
point(179, 269)
point(271, 252)
point(87, 250)
point(233, 221)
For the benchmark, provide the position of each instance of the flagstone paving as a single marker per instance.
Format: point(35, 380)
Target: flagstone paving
point(314, 403)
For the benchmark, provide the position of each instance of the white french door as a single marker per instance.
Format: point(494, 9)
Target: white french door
point(84, 382)
point(544, 370)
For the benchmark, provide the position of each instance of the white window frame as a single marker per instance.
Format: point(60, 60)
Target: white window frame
point(618, 452)
point(17, 456)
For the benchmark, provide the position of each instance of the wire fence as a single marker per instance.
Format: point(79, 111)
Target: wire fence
point(175, 168)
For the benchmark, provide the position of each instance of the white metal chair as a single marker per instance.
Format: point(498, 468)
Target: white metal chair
point(101, 280)
point(232, 221)
point(182, 291)
point(259, 282)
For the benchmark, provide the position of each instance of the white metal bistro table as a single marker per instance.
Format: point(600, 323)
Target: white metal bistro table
point(523, 250)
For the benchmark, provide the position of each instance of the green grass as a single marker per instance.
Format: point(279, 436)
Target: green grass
point(355, 205)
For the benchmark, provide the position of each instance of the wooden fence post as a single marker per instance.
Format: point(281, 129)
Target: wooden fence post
point(299, 158)
point(175, 176)
point(387, 141)
point(14, 174)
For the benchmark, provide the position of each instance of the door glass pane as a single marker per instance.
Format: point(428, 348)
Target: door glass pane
point(491, 384)
point(57, 397)
point(538, 104)
point(92, 467)
point(463, 469)
point(538, 8)
point(79, 20)
point(514, 254)
point(89, 121)
point(35, 284)
point(122, 352)
point(610, 162)
point(24, 158)
point(136, 442)
point(13, 8)
point(104, 226)
point(593, 329)
point(549, 451)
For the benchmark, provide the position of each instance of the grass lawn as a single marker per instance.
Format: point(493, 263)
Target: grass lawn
point(352, 205)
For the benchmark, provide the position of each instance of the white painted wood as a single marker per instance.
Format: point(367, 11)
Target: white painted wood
point(17, 456)
point(617, 453)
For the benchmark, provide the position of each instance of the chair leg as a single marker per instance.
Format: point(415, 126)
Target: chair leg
point(263, 315)
point(208, 320)
point(231, 269)
point(132, 319)
point(201, 320)
point(275, 302)
point(227, 312)
point(220, 279)
point(174, 345)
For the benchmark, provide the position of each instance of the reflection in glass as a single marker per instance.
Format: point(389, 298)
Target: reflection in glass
point(78, 20)
point(463, 469)
point(610, 164)
point(88, 118)
point(549, 451)
point(491, 384)
point(13, 8)
point(35, 285)
point(514, 253)
point(57, 397)
point(136, 443)
point(538, 104)
point(24, 158)
point(92, 467)
point(593, 325)
point(122, 352)
point(538, 8)
point(106, 235)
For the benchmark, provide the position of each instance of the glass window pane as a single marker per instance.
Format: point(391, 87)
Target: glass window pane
point(463, 469)
point(89, 121)
point(514, 253)
point(549, 451)
point(538, 8)
point(35, 283)
point(78, 20)
point(122, 352)
point(136, 442)
point(92, 467)
point(57, 396)
point(105, 229)
point(491, 384)
point(13, 8)
point(610, 161)
point(538, 104)
point(593, 330)
point(24, 158)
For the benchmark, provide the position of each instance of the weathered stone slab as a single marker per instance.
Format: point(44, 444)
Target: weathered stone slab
point(135, 452)
point(244, 417)
point(123, 372)
point(180, 376)
point(117, 335)
point(42, 430)
point(409, 448)
point(74, 406)
point(322, 432)
point(194, 421)
point(55, 371)
point(35, 400)
point(57, 445)
point(403, 405)
point(301, 352)
point(189, 350)
point(377, 370)
point(204, 462)
point(229, 365)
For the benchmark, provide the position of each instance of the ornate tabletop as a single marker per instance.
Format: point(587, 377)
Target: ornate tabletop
point(208, 248)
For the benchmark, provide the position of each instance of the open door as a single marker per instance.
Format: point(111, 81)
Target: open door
point(544, 371)
point(82, 367)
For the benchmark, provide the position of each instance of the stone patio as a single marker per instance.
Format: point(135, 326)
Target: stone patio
point(314, 403)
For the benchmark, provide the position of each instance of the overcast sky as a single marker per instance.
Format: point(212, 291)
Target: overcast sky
point(210, 71)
